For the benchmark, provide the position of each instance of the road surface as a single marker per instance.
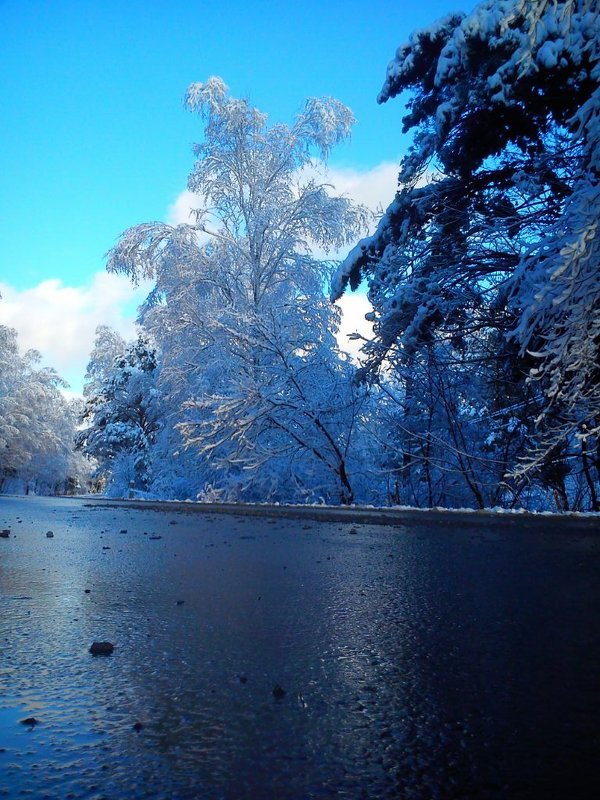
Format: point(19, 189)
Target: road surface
point(421, 656)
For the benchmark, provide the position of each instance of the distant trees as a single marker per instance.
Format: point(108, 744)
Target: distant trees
point(483, 273)
point(37, 425)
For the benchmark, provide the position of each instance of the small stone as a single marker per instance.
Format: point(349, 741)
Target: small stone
point(87, 591)
point(137, 726)
point(123, 530)
point(278, 692)
point(101, 648)
point(5, 533)
point(243, 679)
point(180, 602)
point(50, 534)
point(106, 547)
point(353, 531)
point(31, 721)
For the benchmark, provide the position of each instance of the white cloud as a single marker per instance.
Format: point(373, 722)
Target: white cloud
point(374, 188)
point(60, 321)
point(354, 306)
point(180, 211)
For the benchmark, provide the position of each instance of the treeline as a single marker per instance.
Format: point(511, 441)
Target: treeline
point(480, 386)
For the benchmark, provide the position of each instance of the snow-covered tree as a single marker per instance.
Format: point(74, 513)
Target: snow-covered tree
point(108, 345)
point(120, 415)
point(249, 365)
point(557, 286)
point(288, 419)
point(492, 235)
point(37, 425)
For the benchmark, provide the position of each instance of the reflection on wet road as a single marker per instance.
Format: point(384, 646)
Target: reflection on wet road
point(447, 657)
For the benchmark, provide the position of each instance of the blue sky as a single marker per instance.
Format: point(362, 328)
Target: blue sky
point(94, 137)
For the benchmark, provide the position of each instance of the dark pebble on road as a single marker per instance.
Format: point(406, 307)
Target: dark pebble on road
point(101, 648)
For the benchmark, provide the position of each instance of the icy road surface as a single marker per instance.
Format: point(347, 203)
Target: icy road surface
point(443, 656)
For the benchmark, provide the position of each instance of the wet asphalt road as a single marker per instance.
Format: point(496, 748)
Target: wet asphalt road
point(438, 656)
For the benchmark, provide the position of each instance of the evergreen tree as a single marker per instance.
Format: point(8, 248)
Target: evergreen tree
point(487, 259)
point(120, 417)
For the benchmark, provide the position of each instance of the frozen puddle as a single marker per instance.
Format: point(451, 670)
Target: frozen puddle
point(441, 656)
